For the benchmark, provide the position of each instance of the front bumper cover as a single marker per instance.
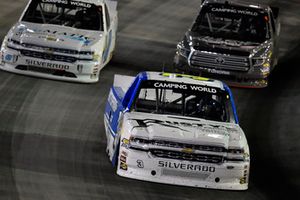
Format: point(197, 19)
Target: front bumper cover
point(142, 165)
point(13, 61)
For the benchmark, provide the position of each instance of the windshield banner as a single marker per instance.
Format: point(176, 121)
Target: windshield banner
point(69, 2)
point(180, 86)
point(234, 11)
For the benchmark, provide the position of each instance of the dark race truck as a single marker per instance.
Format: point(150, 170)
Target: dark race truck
point(235, 42)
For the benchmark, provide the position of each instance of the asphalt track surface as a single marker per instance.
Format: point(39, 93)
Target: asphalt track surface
point(52, 141)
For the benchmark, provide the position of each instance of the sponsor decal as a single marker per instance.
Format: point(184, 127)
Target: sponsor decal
point(124, 153)
point(186, 167)
point(52, 35)
point(51, 38)
point(85, 40)
point(235, 11)
point(66, 2)
point(8, 57)
point(96, 57)
point(170, 86)
point(125, 143)
point(181, 86)
point(123, 160)
point(80, 4)
point(214, 71)
point(47, 65)
point(199, 78)
point(123, 166)
point(140, 164)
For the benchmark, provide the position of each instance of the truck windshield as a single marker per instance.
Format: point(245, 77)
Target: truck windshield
point(232, 22)
point(69, 13)
point(183, 100)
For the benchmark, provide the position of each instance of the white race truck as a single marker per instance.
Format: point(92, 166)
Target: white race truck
point(68, 40)
point(176, 129)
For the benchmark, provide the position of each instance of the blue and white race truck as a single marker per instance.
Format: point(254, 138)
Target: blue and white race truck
point(176, 129)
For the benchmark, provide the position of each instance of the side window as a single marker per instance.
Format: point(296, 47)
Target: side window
point(107, 17)
point(272, 22)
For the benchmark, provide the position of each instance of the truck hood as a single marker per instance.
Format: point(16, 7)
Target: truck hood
point(54, 36)
point(223, 46)
point(184, 130)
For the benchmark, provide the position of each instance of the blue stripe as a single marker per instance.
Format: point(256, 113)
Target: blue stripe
point(142, 77)
point(227, 89)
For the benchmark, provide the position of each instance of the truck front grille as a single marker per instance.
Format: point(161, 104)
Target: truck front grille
point(219, 61)
point(187, 156)
point(190, 146)
point(48, 56)
point(179, 151)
